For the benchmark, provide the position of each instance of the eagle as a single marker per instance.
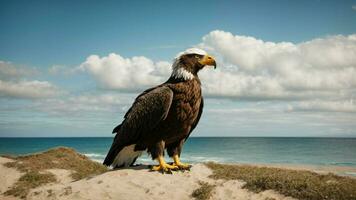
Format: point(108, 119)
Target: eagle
point(162, 117)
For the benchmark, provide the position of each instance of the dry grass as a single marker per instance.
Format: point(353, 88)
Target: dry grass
point(28, 181)
point(203, 192)
point(295, 183)
point(34, 167)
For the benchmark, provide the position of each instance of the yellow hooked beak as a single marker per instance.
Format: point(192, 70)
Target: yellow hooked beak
point(208, 60)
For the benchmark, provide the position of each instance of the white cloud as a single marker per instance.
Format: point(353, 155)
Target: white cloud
point(9, 71)
point(246, 118)
point(248, 68)
point(62, 70)
point(14, 83)
point(252, 68)
point(325, 106)
point(27, 89)
point(232, 85)
point(321, 70)
point(251, 54)
point(353, 7)
point(77, 105)
point(117, 72)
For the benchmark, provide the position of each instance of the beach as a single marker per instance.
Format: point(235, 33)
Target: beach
point(139, 182)
point(135, 183)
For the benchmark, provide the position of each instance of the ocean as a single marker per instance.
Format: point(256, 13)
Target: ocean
point(254, 150)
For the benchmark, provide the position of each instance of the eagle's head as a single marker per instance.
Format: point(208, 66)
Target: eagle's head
point(188, 63)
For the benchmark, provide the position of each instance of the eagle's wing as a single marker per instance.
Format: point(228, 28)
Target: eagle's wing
point(148, 110)
point(198, 118)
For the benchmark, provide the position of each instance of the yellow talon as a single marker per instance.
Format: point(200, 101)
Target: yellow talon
point(179, 164)
point(163, 166)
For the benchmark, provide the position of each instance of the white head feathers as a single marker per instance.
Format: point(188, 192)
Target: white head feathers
point(191, 51)
point(179, 72)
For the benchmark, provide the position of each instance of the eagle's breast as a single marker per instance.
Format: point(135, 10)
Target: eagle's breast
point(185, 106)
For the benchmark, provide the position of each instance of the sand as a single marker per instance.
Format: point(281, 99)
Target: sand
point(134, 183)
point(8, 176)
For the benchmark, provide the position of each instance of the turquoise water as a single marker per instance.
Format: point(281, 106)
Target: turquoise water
point(311, 151)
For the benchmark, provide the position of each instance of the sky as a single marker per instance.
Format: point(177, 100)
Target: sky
point(73, 68)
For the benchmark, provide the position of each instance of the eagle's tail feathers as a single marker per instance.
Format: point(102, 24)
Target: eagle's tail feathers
point(111, 155)
point(126, 157)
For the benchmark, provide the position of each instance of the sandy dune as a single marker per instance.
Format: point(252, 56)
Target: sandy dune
point(134, 183)
point(140, 183)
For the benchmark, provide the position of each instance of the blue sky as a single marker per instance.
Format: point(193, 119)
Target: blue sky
point(285, 67)
point(42, 33)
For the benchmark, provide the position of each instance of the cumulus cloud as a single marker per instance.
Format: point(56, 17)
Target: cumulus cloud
point(220, 83)
point(248, 68)
point(27, 89)
point(322, 69)
point(253, 68)
point(116, 72)
point(251, 54)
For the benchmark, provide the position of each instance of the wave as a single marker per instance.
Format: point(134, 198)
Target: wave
point(94, 155)
point(342, 163)
point(196, 159)
point(187, 158)
point(98, 160)
point(350, 173)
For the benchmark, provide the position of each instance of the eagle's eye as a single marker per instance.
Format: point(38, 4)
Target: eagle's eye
point(197, 57)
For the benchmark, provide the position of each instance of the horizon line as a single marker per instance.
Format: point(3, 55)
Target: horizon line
point(340, 137)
